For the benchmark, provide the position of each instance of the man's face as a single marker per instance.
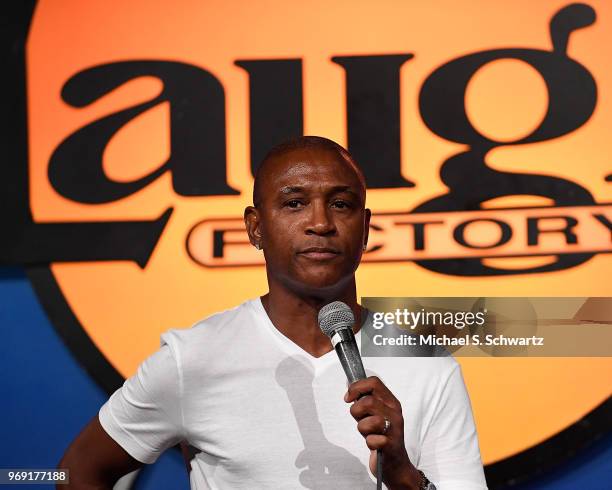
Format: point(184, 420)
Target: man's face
point(310, 220)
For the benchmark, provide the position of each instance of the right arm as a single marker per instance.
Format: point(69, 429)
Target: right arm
point(95, 460)
point(135, 426)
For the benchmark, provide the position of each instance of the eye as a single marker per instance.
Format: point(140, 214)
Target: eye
point(294, 204)
point(341, 204)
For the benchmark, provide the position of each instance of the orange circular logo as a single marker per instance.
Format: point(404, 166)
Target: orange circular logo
point(482, 134)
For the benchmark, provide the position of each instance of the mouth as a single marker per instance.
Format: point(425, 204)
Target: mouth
point(319, 253)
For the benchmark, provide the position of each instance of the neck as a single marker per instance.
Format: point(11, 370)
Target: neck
point(295, 314)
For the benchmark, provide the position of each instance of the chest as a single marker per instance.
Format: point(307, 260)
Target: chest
point(285, 418)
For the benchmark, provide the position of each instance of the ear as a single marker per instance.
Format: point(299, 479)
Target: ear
point(366, 230)
point(253, 225)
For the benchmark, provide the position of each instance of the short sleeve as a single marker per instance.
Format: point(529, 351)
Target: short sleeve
point(450, 455)
point(144, 416)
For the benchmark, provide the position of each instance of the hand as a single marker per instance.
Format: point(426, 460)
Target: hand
point(373, 403)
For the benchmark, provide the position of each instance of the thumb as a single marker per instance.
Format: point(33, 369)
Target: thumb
point(373, 459)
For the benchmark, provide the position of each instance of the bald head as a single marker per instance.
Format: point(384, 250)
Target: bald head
point(295, 145)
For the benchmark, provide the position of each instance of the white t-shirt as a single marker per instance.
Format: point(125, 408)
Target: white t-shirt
point(261, 413)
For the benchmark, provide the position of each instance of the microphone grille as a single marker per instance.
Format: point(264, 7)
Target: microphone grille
point(334, 316)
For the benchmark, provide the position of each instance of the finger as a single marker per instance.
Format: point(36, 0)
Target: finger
point(355, 393)
point(374, 424)
point(360, 388)
point(372, 386)
point(377, 441)
point(368, 405)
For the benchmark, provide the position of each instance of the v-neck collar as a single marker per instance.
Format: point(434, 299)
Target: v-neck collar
point(289, 345)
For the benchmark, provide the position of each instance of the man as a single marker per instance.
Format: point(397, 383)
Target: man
point(257, 391)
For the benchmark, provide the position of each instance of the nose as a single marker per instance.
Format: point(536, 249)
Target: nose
point(320, 220)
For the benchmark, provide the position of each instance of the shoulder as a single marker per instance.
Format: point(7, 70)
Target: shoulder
point(210, 330)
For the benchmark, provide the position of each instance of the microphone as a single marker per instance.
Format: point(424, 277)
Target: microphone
point(336, 321)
